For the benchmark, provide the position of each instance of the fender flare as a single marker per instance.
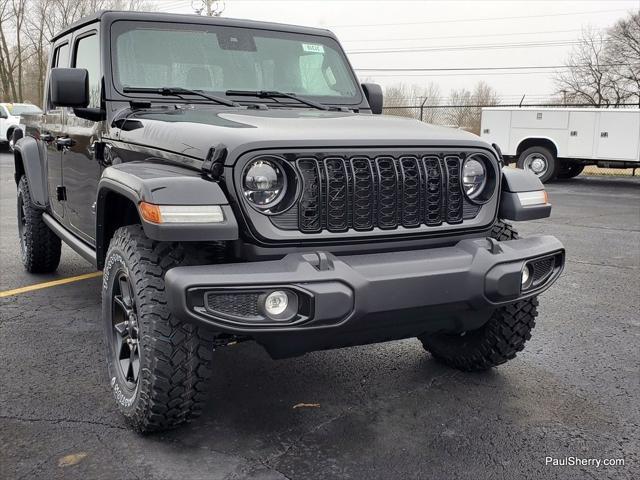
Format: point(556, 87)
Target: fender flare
point(516, 181)
point(30, 160)
point(162, 184)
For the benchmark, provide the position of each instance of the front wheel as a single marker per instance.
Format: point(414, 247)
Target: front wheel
point(539, 161)
point(158, 366)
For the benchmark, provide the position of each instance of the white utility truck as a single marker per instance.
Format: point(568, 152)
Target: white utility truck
point(560, 142)
point(10, 119)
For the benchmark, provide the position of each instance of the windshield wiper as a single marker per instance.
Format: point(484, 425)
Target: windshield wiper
point(275, 94)
point(178, 91)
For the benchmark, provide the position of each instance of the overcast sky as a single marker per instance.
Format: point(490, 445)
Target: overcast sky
point(469, 26)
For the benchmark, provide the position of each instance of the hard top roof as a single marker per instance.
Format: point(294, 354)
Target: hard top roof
point(112, 15)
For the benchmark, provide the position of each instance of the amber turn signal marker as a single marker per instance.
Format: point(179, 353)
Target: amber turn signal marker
point(546, 197)
point(150, 212)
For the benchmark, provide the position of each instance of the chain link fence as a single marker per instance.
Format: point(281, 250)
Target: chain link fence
point(468, 117)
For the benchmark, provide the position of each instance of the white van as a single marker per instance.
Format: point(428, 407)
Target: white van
point(560, 142)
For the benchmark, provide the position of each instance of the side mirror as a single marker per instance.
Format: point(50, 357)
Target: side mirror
point(69, 87)
point(373, 92)
point(3, 114)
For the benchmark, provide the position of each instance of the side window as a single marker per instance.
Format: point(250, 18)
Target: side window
point(87, 55)
point(60, 59)
point(61, 56)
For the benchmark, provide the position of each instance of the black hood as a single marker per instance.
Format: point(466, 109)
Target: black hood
point(191, 131)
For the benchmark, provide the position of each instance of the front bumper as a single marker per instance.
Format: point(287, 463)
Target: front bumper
point(368, 298)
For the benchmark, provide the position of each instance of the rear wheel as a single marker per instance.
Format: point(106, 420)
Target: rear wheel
point(39, 246)
point(158, 366)
point(498, 340)
point(539, 161)
point(570, 170)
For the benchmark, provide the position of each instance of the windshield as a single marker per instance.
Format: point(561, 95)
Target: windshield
point(22, 109)
point(216, 59)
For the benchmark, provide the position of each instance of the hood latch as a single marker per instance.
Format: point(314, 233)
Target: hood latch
point(213, 165)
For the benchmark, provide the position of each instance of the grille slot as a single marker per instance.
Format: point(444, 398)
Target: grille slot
point(309, 204)
point(363, 194)
point(412, 188)
point(454, 191)
point(337, 192)
point(385, 191)
point(433, 191)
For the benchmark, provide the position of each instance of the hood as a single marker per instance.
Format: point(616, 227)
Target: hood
point(192, 131)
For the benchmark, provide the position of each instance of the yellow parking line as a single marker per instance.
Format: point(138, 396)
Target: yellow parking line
point(38, 286)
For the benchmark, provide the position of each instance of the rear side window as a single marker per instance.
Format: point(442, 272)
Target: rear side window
point(87, 55)
point(61, 56)
point(60, 59)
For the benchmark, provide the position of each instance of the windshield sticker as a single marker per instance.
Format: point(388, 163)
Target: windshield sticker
point(312, 47)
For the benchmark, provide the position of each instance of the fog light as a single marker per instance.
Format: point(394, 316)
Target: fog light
point(276, 303)
point(526, 275)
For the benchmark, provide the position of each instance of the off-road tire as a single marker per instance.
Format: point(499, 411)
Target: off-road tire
point(553, 164)
point(498, 340)
point(39, 246)
point(503, 231)
point(570, 171)
point(174, 357)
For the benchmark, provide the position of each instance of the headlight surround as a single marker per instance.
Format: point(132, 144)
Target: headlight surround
point(474, 177)
point(264, 182)
point(478, 178)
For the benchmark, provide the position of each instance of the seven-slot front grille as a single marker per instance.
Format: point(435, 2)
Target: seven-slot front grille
point(361, 193)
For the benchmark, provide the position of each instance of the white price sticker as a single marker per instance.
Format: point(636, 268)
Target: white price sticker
point(312, 47)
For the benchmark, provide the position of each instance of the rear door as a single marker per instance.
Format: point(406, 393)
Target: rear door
point(52, 129)
point(582, 126)
point(80, 167)
point(617, 135)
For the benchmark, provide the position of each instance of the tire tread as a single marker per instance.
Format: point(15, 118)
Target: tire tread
point(43, 247)
point(178, 355)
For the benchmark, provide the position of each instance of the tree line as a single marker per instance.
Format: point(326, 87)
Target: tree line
point(26, 26)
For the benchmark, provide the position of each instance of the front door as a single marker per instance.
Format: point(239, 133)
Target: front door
point(52, 129)
point(80, 168)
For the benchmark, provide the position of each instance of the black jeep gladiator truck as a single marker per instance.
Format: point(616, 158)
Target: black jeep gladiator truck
point(234, 181)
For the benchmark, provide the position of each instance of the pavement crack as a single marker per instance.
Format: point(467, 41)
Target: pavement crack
point(593, 264)
point(60, 421)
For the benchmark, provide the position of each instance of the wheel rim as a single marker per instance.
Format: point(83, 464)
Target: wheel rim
point(11, 143)
point(125, 331)
point(22, 226)
point(536, 163)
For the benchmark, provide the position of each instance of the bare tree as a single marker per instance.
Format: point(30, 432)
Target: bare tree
point(603, 69)
point(466, 106)
point(210, 8)
point(623, 54)
point(409, 101)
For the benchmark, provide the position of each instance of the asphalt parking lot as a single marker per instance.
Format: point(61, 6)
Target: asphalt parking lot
point(378, 412)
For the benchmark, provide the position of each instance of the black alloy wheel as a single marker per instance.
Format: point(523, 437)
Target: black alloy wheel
point(125, 332)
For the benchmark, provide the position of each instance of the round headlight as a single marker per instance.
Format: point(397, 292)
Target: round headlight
point(264, 182)
point(474, 177)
